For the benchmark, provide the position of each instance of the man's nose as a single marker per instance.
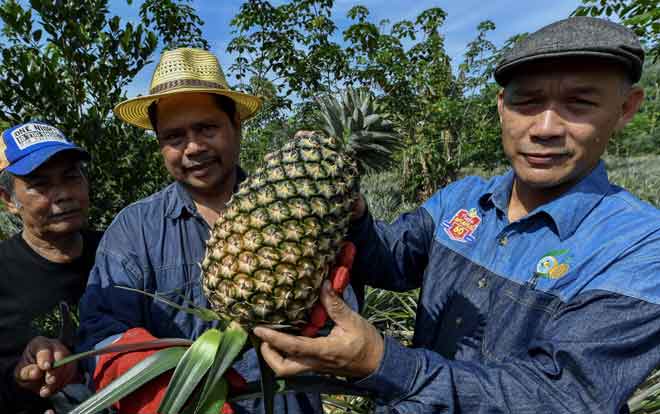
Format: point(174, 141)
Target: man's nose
point(548, 124)
point(61, 193)
point(195, 143)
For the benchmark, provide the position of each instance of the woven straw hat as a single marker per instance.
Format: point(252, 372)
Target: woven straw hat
point(180, 71)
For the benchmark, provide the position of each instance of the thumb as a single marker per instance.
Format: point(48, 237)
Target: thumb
point(337, 309)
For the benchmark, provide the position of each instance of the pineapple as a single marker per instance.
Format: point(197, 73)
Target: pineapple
point(270, 251)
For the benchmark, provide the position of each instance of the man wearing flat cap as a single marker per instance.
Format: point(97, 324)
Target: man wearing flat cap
point(44, 265)
point(540, 288)
point(157, 244)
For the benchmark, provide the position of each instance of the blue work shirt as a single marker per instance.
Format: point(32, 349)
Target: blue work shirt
point(156, 245)
point(558, 312)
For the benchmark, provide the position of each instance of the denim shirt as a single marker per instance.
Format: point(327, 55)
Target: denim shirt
point(156, 245)
point(556, 312)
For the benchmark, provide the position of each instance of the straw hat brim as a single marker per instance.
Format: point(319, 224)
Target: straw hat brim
point(134, 111)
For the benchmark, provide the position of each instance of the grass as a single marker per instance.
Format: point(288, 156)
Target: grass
point(394, 313)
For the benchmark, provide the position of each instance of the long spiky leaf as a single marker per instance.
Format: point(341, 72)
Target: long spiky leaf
point(232, 341)
point(189, 372)
point(207, 315)
point(138, 375)
point(136, 346)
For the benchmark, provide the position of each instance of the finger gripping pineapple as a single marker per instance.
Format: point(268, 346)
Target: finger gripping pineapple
point(270, 251)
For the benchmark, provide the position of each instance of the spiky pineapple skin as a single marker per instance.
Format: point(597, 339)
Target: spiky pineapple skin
point(270, 251)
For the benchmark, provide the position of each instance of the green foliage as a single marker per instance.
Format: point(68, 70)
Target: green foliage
point(9, 224)
point(69, 62)
point(639, 175)
point(49, 323)
point(642, 135)
point(289, 43)
point(446, 121)
point(385, 195)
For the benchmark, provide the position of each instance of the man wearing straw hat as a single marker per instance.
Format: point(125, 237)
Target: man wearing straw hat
point(156, 244)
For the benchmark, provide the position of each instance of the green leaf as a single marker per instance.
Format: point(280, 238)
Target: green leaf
point(204, 314)
point(114, 23)
point(193, 366)
point(216, 398)
point(232, 341)
point(136, 346)
point(141, 373)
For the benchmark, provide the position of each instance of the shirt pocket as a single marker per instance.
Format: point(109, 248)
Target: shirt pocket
point(516, 315)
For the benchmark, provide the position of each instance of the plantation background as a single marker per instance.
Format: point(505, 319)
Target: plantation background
point(69, 62)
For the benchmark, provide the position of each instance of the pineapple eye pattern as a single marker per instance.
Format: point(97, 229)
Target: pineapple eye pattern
point(270, 251)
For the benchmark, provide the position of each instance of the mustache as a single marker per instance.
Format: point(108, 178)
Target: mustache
point(198, 160)
point(64, 208)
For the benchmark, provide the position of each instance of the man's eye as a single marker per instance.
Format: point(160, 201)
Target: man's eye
point(582, 102)
point(208, 130)
point(37, 184)
point(172, 139)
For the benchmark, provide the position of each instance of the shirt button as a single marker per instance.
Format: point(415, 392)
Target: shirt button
point(503, 241)
point(459, 321)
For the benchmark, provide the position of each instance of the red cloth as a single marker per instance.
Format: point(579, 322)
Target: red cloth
point(147, 398)
point(340, 276)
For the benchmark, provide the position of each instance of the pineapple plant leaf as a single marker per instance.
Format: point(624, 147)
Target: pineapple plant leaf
point(204, 314)
point(231, 344)
point(143, 372)
point(189, 371)
point(135, 346)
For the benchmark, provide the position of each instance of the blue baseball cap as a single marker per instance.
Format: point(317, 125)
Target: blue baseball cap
point(25, 147)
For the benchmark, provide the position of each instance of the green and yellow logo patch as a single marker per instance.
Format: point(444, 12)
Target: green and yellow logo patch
point(554, 264)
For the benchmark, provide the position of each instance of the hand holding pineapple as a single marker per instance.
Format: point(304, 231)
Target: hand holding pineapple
point(354, 347)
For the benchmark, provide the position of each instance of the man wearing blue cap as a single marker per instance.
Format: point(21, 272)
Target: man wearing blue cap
point(540, 288)
point(42, 182)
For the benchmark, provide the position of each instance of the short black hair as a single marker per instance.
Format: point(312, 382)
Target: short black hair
point(225, 104)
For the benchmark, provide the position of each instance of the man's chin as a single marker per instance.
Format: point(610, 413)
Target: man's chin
point(205, 185)
point(67, 227)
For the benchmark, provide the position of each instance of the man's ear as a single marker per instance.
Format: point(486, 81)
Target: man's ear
point(500, 103)
point(630, 106)
point(8, 202)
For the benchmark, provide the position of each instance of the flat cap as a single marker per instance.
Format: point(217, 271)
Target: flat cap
point(576, 36)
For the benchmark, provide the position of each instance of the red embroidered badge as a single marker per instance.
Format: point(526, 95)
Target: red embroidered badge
point(463, 225)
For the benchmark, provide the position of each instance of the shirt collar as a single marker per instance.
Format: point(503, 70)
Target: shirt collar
point(180, 200)
point(568, 210)
point(499, 192)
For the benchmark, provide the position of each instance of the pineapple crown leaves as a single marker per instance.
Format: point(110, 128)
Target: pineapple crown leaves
point(354, 119)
